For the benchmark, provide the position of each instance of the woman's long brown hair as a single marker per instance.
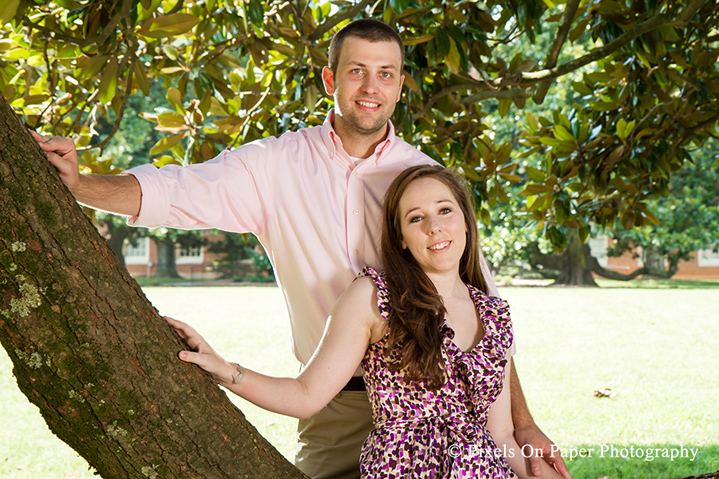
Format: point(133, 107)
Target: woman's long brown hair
point(417, 311)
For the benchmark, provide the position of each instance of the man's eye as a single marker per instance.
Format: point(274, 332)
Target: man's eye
point(385, 74)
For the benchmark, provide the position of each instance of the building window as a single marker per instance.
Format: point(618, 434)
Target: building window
point(708, 258)
point(598, 249)
point(139, 253)
point(190, 255)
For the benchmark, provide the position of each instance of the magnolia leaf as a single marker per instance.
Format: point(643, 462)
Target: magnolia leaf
point(7, 12)
point(171, 120)
point(535, 189)
point(174, 96)
point(563, 133)
point(108, 83)
point(168, 25)
point(503, 108)
point(166, 143)
point(93, 66)
point(409, 82)
point(417, 40)
point(534, 174)
point(141, 78)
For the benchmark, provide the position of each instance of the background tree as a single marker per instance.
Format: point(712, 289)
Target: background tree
point(688, 218)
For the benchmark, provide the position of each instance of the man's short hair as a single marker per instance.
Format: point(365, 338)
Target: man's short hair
point(366, 29)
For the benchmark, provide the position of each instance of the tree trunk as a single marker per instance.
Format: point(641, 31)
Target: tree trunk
point(573, 263)
point(166, 266)
point(91, 352)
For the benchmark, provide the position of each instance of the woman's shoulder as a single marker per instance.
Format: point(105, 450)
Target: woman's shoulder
point(486, 302)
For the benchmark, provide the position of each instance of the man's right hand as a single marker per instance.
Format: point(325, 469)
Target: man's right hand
point(62, 154)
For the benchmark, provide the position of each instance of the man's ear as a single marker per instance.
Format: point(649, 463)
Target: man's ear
point(401, 83)
point(328, 78)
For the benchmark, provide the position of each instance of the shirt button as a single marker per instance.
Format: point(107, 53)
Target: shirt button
point(356, 252)
point(356, 212)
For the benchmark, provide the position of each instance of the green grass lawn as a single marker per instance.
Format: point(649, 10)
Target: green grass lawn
point(655, 348)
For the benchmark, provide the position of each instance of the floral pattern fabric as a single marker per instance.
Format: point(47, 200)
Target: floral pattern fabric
point(420, 433)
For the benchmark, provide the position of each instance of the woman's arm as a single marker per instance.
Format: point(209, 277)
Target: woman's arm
point(500, 426)
point(341, 349)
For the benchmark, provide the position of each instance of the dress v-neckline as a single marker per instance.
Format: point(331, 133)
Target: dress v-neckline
point(473, 295)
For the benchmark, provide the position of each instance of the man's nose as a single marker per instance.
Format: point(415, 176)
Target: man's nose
point(370, 84)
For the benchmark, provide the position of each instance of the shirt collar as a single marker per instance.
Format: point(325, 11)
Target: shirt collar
point(334, 143)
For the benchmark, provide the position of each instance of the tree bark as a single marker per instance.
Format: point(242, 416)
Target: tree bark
point(91, 352)
point(166, 266)
point(573, 263)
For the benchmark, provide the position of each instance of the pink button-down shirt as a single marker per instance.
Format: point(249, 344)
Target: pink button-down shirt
point(315, 210)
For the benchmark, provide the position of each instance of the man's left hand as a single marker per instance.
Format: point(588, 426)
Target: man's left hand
point(538, 441)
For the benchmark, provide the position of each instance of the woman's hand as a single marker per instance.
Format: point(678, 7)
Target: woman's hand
point(202, 353)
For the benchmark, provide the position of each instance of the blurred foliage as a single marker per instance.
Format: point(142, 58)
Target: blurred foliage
point(241, 258)
point(688, 216)
point(612, 95)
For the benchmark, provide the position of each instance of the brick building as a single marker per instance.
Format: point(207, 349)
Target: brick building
point(703, 265)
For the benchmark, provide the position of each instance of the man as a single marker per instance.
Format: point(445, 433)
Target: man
point(313, 198)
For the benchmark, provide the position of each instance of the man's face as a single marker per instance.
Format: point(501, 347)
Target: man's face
point(366, 85)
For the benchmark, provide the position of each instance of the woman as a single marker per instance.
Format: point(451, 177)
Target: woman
point(431, 343)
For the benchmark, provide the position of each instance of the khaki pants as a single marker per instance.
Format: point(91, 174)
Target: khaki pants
point(329, 443)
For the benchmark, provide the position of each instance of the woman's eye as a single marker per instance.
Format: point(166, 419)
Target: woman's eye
point(415, 219)
point(444, 211)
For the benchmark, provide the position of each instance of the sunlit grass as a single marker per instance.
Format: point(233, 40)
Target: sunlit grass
point(655, 348)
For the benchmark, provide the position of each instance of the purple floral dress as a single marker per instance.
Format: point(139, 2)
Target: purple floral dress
point(437, 434)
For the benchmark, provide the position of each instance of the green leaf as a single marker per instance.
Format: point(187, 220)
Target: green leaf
point(535, 189)
point(257, 13)
point(166, 143)
point(453, 58)
point(93, 66)
point(534, 174)
point(8, 11)
point(503, 108)
point(563, 133)
point(417, 40)
point(141, 78)
point(108, 83)
point(621, 129)
point(581, 87)
point(175, 98)
point(168, 25)
point(171, 120)
point(511, 178)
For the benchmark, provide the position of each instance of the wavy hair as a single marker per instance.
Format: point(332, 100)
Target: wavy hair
point(417, 311)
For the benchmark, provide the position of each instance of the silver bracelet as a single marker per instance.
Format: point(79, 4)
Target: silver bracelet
point(238, 374)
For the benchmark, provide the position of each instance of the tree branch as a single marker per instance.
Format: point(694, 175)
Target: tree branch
point(680, 20)
point(565, 24)
point(337, 19)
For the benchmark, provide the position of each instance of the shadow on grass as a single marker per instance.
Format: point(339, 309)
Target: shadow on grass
point(641, 462)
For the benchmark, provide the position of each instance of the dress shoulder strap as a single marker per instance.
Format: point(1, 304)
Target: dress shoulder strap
point(383, 301)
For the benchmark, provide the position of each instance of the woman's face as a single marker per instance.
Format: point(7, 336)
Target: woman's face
point(433, 227)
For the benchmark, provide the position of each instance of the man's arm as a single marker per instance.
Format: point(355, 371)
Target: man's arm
point(119, 194)
point(526, 431)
